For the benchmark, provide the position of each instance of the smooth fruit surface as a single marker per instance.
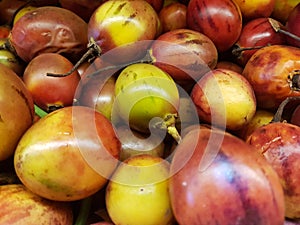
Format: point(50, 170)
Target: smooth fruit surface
point(68, 154)
point(220, 20)
point(144, 92)
point(138, 192)
point(51, 92)
point(216, 179)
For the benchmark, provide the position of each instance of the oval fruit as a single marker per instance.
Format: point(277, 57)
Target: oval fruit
point(122, 23)
point(50, 93)
point(220, 20)
point(186, 55)
point(273, 72)
point(224, 190)
point(21, 206)
point(257, 33)
point(68, 154)
point(16, 110)
point(217, 102)
point(144, 92)
point(49, 29)
point(138, 192)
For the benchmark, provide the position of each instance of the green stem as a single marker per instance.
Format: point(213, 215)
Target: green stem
point(84, 211)
point(41, 113)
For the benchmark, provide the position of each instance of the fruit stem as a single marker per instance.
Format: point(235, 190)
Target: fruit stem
point(236, 51)
point(286, 108)
point(168, 124)
point(93, 51)
point(276, 26)
point(84, 211)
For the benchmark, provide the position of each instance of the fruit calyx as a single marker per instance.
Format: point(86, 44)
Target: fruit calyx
point(277, 28)
point(168, 123)
point(294, 80)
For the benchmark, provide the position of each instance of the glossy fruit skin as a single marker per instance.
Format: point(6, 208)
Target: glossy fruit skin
point(173, 16)
point(113, 25)
point(216, 101)
point(143, 92)
point(279, 144)
point(16, 109)
point(66, 144)
point(255, 33)
point(270, 71)
point(292, 25)
point(220, 20)
point(225, 191)
point(137, 187)
point(185, 54)
point(252, 9)
point(49, 29)
point(21, 206)
point(48, 92)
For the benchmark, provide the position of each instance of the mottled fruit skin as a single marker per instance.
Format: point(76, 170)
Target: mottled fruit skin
point(186, 55)
point(16, 110)
point(223, 189)
point(68, 154)
point(123, 23)
point(21, 206)
point(217, 103)
point(270, 71)
point(256, 33)
point(220, 20)
point(279, 144)
point(49, 29)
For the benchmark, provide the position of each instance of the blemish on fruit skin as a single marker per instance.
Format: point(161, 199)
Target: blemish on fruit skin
point(119, 8)
point(22, 95)
point(129, 19)
point(1, 120)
